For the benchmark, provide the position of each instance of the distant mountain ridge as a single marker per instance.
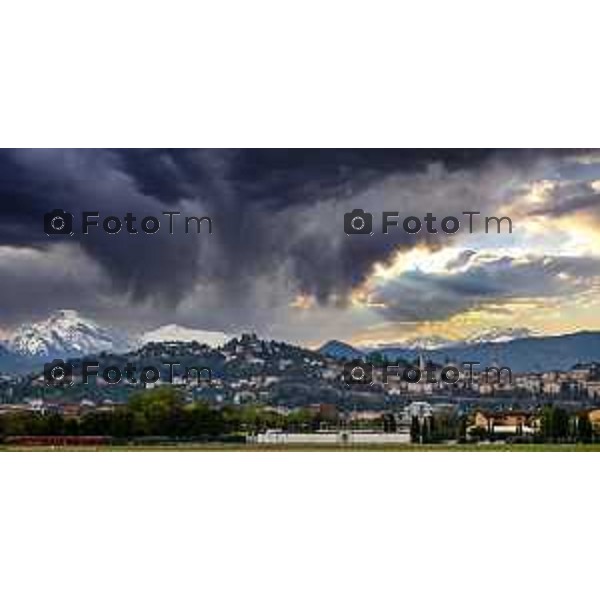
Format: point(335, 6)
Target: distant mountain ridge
point(340, 351)
point(524, 354)
point(66, 334)
point(494, 335)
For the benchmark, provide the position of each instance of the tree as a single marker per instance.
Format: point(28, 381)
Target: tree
point(462, 429)
point(427, 430)
point(389, 423)
point(95, 423)
point(158, 411)
point(555, 424)
point(376, 358)
point(584, 429)
point(415, 430)
point(54, 424)
point(201, 421)
point(122, 423)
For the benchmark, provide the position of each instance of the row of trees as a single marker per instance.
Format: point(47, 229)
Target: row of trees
point(442, 427)
point(156, 413)
point(163, 412)
point(559, 426)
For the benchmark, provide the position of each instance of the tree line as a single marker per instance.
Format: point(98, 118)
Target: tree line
point(163, 412)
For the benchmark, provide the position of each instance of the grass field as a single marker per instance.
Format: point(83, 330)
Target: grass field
point(314, 448)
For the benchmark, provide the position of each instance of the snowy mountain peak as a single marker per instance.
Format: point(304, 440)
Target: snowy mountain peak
point(492, 335)
point(65, 315)
point(497, 335)
point(63, 333)
point(433, 342)
point(177, 333)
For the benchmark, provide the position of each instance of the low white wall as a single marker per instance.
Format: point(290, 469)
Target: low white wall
point(334, 437)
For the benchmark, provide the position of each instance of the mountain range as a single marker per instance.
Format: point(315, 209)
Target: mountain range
point(66, 334)
point(494, 334)
point(521, 354)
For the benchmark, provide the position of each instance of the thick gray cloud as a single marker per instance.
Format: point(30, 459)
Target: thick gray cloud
point(419, 296)
point(571, 198)
point(36, 280)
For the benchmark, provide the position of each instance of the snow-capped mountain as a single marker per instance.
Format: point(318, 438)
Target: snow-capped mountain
point(177, 333)
point(427, 343)
point(63, 334)
point(519, 349)
point(494, 335)
point(497, 335)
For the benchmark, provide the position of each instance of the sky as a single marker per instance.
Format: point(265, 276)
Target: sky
point(278, 261)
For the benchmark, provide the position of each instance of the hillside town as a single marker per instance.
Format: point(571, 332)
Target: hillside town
point(305, 395)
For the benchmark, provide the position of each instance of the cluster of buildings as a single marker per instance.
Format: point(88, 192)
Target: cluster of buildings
point(581, 382)
point(67, 409)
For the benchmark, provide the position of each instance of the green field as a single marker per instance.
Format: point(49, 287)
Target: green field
point(314, 448)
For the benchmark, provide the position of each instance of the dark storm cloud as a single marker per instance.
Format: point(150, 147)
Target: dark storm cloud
point(419, 296)
point(274, 211)
point(259, 200)
point(35, 182)
point(280, 177)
